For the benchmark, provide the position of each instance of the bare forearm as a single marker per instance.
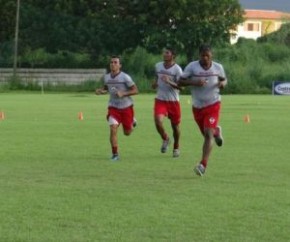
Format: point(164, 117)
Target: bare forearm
point(187, 82)
point(184, 82)
point(154, 85)
point(222, 84)
point(101, 91)
point(131, 92)
point(173, 84)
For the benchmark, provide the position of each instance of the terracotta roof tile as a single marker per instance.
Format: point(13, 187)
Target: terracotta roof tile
point(265, 14)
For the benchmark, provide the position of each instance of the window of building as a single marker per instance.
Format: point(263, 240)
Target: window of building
point(252, 27)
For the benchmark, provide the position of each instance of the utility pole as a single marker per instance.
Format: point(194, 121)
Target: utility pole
point(16, 39)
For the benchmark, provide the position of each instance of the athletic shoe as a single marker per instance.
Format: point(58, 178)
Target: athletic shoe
point(134, 123)
point(164, 145)
point(199, 170)
point(218, 136)
point(115, 157)
point(176, 153)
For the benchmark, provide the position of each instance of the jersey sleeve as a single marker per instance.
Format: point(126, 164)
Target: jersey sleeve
point(156, 72)
point(178, 73)
point(222, 72)
point(187, 72)
point(129, 81)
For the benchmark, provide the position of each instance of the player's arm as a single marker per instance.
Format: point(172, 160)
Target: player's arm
point(222, 82)
point(183, 82)
point(186, 78)
point(154, 84)
point(173, 84)
point(169, 81)
point(103, 90)
point(188, 82)
point(133, 90)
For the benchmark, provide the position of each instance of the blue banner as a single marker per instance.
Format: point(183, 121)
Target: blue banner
point(281, 88)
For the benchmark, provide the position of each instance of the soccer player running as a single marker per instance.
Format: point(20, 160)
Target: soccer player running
point(121, 87)
point(206, 78)
point(167, 100)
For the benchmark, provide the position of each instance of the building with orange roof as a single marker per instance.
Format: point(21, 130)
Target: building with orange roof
point(259, 23)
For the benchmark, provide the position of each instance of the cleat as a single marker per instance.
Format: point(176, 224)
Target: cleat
point(115, 157)
point(164, 145)
point(176, 153)
point(199, 170)
point(218, 136)
point(134, 123)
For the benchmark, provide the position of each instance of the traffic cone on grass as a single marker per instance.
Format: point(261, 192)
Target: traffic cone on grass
point(2, 115)
point(80, 116)
point(247, 118)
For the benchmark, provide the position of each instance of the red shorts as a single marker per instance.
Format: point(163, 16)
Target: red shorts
point(170, 109)
point(124, 116)
point(207, 117)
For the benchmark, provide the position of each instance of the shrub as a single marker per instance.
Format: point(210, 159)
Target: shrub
point(280, 37)
point(275, 53)
point(140, 65)
point(40, 58)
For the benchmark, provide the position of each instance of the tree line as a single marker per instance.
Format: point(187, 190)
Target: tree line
point(98, 28)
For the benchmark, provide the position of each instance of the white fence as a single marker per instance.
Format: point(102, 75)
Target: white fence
point(53, 76)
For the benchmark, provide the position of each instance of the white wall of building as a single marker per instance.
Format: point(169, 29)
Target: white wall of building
point(249, 30)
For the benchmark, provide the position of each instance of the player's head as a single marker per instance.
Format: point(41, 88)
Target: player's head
point(169, 54)
point(115, 63)
point(205, 54)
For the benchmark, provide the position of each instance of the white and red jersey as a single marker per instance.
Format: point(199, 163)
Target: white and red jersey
point(166, 92)
point(209, 93)
point(120, 82)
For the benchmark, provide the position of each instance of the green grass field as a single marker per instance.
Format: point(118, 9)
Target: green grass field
point(57, 183)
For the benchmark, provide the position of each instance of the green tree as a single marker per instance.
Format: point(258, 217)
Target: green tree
point(89, 26)
point(282, 36)
point(7, 19)
point(102, 27)
point(7, 31)
point(187, 23)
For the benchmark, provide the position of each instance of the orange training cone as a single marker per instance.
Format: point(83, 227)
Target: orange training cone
point(80, 116)
point(247, 118)
point(2, 116)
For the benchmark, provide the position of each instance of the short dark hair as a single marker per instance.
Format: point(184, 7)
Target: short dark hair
point(116, 57)
point(204, 47)
point(172, 50)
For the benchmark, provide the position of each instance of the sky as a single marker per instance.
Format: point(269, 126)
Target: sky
point(279, 5)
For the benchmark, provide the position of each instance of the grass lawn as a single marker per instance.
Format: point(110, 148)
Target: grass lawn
point(57, 183)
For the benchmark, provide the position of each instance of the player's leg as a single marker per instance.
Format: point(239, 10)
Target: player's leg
point(199, 117)
point(113, 138)
point(218, 137)
point(176, 136)
point(208, 119)
point(160, 112)
point(161, 130)
point(113, 121)
point(175, 117)
point(128, 120)
point(158, 120)
point(206, 151)
point(207, 145)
